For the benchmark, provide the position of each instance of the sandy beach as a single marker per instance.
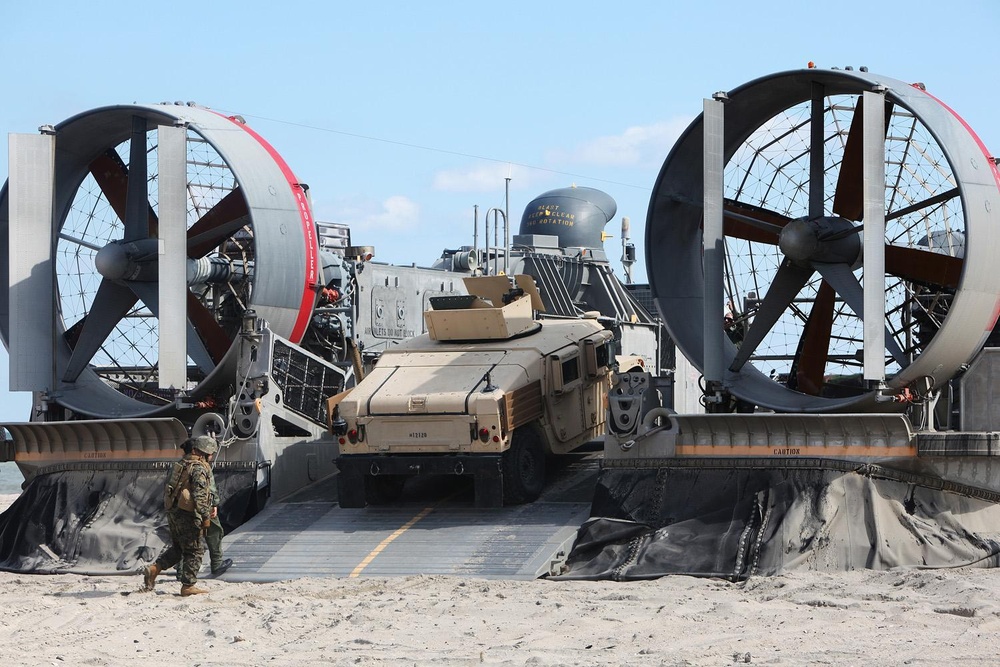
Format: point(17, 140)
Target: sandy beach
point(902, 617)
point(927, 617)
point(6, 499)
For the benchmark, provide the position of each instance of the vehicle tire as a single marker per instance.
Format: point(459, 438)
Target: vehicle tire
point(523, 467)
point(383, 489)
point(351, 491)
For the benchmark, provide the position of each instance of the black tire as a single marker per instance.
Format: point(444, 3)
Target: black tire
point(383, 489)
point(523, 467)
point(351, 491)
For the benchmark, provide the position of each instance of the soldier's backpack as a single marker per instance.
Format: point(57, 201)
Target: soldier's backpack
point(179, 494)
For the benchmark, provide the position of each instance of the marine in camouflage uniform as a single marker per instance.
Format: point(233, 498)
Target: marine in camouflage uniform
point(214, 533)
point(213, 538)
point(187, 526)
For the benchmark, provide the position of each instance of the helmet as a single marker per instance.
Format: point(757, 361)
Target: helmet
point(205, 444)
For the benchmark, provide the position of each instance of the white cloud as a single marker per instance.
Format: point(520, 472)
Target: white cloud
point(637, 146)
point(482, 178)
point(395, 214)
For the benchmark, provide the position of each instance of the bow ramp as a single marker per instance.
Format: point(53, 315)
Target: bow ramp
point(435, 529)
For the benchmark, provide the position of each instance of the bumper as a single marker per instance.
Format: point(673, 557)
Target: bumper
point(485, 468)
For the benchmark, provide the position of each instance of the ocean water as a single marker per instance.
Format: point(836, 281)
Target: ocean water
point(10, 479)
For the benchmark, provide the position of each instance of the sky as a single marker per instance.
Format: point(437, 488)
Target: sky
point(403, 116)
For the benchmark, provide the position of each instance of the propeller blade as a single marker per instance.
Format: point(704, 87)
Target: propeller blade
point(846, 284)
point(111, 303)
point(137, 197)
point(218, 224)
point(848, 199)
point(810, 363)
point(149, 293)
point(787, 283)
point(32, 299)
point(752, 223)
point(172, 254)
point(111, 176)
point(207, 328)
point(923, 266)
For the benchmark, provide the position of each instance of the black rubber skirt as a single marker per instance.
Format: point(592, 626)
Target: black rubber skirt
point(734, 522)
point(106, 518)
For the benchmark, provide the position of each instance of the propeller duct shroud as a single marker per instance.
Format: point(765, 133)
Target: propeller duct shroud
point(793, 222)
point(120, 194)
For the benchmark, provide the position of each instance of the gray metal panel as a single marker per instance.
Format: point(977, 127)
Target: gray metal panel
point(32, 168)
point(552, 287)
point(714, 252)
point(874, 235)
point(172, 260)
point(957, 443)
point(979, 393)
point(433, 530)
point(385, 289)
point(319, 539)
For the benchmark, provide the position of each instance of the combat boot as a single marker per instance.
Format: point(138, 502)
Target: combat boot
point(149, 574)
point(192, 589)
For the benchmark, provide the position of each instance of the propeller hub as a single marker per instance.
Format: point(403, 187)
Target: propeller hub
point(799, 240)
point(112, 261)
point(135, 260)
point(827, 239)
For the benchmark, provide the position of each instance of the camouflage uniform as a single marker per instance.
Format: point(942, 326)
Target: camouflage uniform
point(186, 526)
point(214, 533)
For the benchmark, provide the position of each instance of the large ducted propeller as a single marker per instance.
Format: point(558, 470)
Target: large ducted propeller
point(137, 235)
point(149, 264)
point(836, 204)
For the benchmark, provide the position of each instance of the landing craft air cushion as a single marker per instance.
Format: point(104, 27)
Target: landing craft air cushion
point(846, 422)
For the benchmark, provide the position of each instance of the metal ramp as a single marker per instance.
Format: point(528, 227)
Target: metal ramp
point(434, 530)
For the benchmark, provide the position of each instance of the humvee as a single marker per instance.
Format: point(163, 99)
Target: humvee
point(489, 391)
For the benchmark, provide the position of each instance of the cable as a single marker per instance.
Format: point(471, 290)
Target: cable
point(437, 150)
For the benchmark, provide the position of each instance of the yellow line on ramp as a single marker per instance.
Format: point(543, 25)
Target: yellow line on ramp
point(356, 572)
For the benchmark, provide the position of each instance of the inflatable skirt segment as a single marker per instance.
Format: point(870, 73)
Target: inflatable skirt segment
point(737, 522)
point(105, 520)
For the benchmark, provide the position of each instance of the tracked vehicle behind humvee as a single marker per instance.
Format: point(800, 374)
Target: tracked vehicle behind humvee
point(490, 391)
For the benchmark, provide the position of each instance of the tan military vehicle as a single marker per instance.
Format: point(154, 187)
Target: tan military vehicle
point(490, 391)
